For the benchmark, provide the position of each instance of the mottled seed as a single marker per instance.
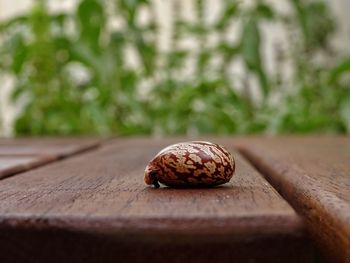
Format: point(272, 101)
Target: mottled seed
point(190, 164)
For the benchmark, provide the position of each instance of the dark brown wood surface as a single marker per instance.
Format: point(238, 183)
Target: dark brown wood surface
point(95, 207)
point(10, 165)
point(19, 155)
point(313, 174)
point(50, 147)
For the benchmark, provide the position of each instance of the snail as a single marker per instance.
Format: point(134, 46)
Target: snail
point(190, 164)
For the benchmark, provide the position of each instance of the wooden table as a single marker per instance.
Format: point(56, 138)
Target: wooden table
point(84, 200)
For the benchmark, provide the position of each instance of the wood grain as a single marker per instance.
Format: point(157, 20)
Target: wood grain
point(19, 155)
point(14, 165)
point(96, 208)
point(56, 148)
point(313, 174)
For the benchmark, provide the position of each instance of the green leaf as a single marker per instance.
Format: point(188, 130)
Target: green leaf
point(229, 11)
point(345, 111)
point(337, 72)
point(147, 51)
point(18, 20)
point(265, 11)
point(302, 17)
point(92, 21)
point(315, 22)
point(177, 58)
point(19, 52)
point(250, 46)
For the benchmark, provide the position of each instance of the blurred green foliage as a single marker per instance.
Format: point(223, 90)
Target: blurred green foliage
point(73, 76)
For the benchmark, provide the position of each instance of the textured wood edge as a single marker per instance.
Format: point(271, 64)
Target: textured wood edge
point(155, 227)
point(59, 245)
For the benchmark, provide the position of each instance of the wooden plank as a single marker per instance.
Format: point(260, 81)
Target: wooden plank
point(96, 208)
point(313, 174)
point(47, 140)
point(50, 147)
point(19, 155)
point(13, 165)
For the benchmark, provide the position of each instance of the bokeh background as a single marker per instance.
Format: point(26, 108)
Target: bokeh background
point(168, 67)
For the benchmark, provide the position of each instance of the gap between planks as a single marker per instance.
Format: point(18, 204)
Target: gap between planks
point(312, 176)
point(24, 162)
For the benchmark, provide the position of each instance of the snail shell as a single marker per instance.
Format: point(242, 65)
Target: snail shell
point(190, 164)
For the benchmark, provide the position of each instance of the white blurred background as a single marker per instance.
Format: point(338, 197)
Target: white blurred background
point(272, 34)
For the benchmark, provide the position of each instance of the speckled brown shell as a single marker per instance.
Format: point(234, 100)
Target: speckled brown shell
point(191, 164)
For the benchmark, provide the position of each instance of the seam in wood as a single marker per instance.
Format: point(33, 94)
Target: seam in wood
point(46, 160)
point(252, 161)
point(302, 208)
